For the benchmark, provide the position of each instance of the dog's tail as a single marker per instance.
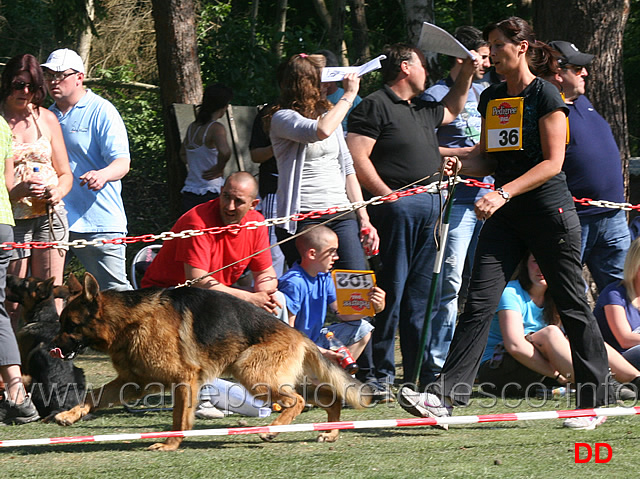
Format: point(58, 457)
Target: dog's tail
point(329, 375)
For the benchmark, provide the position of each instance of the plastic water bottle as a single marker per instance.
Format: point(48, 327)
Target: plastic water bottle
point(38, 205)
point(346, 360)
point(36, 173)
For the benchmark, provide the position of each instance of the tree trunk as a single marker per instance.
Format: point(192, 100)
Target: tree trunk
point(336, 33)
point(323, 13)
point(179, 78)
point(281, 21)
point(254, 21)
point(360, 45)
point(86, 35)
point(334, 23)
point(597, 27)
point(418, 12)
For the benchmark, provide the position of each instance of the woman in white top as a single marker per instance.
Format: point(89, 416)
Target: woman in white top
point(315, 169)
point(205, 149)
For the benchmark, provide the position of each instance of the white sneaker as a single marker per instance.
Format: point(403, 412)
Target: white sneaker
point(584, 423)
point(206, 410)
point(424, 405)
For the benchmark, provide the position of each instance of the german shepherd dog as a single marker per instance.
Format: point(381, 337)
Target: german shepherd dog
point(54, 385)
point(185, 336)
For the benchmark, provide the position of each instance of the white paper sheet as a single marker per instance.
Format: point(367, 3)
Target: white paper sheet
point(338, 73)
point(435, 39)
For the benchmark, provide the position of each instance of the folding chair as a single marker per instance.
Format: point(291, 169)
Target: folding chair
point(141, 262)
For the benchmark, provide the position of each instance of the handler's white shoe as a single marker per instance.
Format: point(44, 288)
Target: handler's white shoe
point(424, 405)
point(206, 410)
point(584, 423)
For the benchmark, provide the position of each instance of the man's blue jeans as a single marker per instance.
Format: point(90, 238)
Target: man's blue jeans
point(464, 228)
point(106, 262)
point(605, 241)
point(407, 254)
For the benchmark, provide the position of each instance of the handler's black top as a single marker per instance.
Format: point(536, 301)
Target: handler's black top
point(540, 98)
point(268, 170)
point(406, 148)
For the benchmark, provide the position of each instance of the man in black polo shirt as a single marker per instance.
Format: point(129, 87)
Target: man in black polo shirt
point(393, 143)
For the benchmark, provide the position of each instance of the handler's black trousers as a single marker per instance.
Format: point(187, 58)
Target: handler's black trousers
point(554, 240)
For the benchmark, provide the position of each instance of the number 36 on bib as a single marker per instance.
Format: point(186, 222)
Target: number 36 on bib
point(504, 124)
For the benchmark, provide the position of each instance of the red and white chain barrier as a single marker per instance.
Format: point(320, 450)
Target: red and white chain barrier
point(169, 235)
point(324, 426)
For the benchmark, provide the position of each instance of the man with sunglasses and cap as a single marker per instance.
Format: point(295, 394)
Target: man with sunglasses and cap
point(98, 148)
point(593, 168)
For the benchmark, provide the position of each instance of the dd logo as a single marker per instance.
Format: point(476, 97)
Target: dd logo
point(590, 452)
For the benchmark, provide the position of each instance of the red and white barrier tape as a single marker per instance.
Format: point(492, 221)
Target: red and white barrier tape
point(324, 426)
point(169, 235)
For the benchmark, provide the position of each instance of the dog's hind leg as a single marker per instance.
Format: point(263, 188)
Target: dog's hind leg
point(292, 404)
point(325, 398)
point(185, 397)
point(108, 395)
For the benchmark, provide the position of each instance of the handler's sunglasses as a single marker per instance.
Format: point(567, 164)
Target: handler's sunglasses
point(21, 85)
point(58, 77)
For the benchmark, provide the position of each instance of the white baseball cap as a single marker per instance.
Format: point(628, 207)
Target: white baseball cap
point(62, 60)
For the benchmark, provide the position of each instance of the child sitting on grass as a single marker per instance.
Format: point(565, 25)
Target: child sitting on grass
point(309, 290)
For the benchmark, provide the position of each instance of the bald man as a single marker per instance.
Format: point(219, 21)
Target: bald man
point(189, 258)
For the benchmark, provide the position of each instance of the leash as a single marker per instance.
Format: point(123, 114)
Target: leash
point(441, 244)
point(51, 211)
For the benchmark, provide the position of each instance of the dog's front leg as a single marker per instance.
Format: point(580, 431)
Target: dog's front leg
point(105, 396)
point(185, 397)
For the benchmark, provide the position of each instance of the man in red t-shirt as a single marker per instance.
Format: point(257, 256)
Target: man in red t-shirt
point(188, 258)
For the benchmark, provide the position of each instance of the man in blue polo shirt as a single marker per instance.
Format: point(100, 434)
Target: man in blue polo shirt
point(593, 168)
point(98, 148)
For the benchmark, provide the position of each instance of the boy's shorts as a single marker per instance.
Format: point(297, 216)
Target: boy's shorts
point(348, 332)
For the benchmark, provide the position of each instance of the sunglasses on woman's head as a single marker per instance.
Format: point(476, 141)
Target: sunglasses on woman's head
point(21, 85)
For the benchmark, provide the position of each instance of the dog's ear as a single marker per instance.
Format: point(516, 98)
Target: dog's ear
point(91, 287)
point(13, 288)
point(75, 287)
point(61, 291)
point(44, 289)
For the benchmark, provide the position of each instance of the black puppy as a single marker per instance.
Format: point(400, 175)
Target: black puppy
point(54, 385)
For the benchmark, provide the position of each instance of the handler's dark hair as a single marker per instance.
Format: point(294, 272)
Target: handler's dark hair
point(470, 37)
point(24, 63)
point(550, 312)
point(396, 54)
point(542, 59)
point(215, 96)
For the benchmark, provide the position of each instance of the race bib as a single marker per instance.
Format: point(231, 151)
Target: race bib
point(352, 291)
point(504, 124)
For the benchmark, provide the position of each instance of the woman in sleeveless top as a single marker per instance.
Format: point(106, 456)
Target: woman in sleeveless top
point(205, 149)
point(42, 176)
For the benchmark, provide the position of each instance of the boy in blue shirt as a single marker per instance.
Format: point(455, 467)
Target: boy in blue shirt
point(309, 290)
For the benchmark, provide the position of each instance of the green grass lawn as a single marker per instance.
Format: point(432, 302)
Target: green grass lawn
point(509, 449)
